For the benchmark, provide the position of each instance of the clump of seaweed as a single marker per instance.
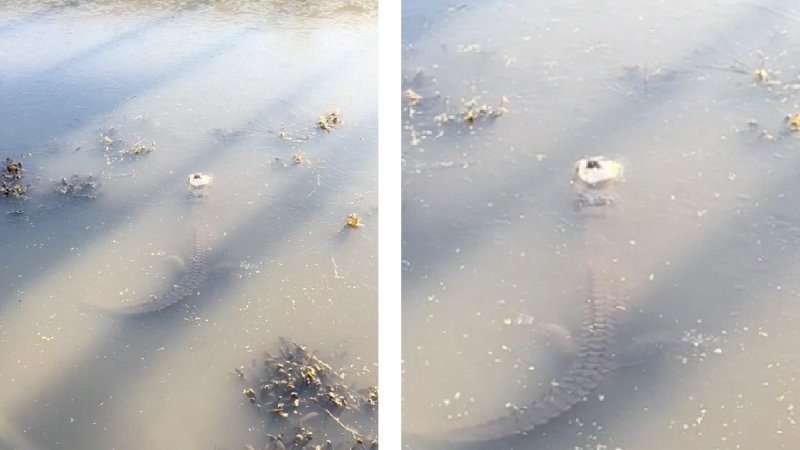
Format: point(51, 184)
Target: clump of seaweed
point(139, 148)
point(429, 112)
point(473, 110)
point(330, 120)
point(299, 392)
point(14, 190)
point(794, 122)
point(109, 139)
point(13, 169)
point(115, 148)
point(761, 75)
point(412, 97)
point(353, 221)
point(78, 186)
point(11, 184)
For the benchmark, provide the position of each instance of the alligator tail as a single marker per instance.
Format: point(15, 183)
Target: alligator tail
point(196, 273)
point(594, 360)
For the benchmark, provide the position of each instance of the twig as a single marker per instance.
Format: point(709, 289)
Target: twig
point(723, 69)
point(356, 435)
point(315, 188)
point(336, 274)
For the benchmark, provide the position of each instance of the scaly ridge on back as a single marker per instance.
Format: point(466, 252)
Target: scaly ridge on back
point(196, 273)
point(594, 360)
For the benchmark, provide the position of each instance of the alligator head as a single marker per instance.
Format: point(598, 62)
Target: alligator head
point(198, 184)
point(594, 180)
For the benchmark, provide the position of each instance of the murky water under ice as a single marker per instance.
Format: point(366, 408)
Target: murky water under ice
point(233, 91)
point(706, 226)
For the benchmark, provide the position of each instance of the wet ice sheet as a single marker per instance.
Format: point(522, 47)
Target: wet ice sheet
point(213, 89)
point(493, 252)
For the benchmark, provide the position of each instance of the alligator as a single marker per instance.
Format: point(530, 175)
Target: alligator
point(196, 268)
point(595, 357)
